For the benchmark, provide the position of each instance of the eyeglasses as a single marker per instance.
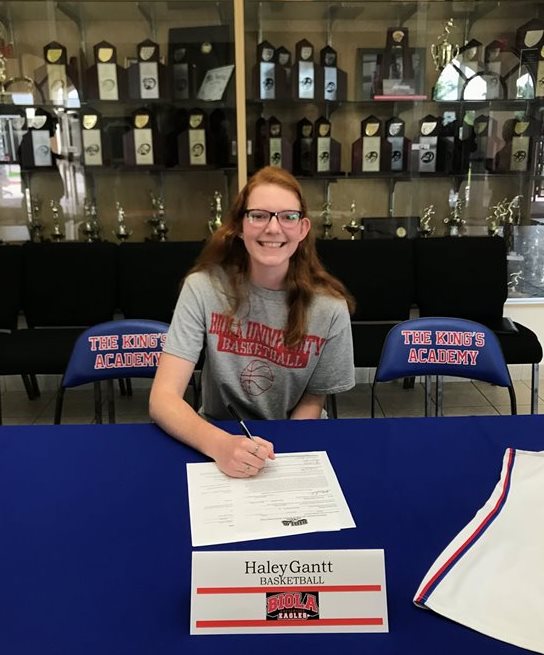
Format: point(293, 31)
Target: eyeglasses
point(286, 218)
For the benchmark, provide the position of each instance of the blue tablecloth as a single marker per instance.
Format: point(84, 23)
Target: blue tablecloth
point(95, 548)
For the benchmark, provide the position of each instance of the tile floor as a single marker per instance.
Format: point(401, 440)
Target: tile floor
point(460, 398)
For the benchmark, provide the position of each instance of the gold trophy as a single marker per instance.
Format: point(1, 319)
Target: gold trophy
point(455, 221)
point(215, 221)
point(56, 234)
point(35, 226)
point(354, 226)
point(122, 232)
point(158, 220)
point(91, 227)
point(326, 217)
point(6, 82)
point(443, 52)
point(425, 228)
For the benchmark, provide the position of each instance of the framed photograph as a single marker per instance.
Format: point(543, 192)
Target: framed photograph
point(369, 75)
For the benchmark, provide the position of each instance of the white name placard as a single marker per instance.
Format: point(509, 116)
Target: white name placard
point(276, 592)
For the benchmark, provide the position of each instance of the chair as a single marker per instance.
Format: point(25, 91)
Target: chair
point(151, 291)
point(65, 287)
point(128, 348)
point(468, 278)
point(442, 346)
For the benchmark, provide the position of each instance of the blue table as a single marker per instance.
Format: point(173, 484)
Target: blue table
point(95, 548)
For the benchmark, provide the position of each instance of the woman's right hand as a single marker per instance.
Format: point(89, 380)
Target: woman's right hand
point(241, 457)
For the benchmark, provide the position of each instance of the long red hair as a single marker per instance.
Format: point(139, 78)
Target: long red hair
point(305, 276)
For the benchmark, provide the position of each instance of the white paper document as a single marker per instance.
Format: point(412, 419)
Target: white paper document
point(295, 493)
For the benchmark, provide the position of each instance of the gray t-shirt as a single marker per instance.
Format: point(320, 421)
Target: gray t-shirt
point(247, 363)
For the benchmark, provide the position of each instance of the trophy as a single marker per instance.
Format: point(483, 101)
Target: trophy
point(56, 233)
point(521, 142)
point(278, 151)
point(283, 58)
point(105, 79)
point(304, 74)
point(397, 74)
point(52, 78)
point(215, 221)
point(331, 80)
point(193, 142)
point(180, 72)
point(139, 142)
point(35, 150)
point(326, 220)
point(327, 156)
point(35, 226)
point(397, 144)
point(91, 134)
point(303, 148)
point(354, 226)
point(366, 151)
point(270, 77)
point(515, 279)
point(91, 227)
point(159, 228)
point(529, 45)
point(122, 232)
point(427, 147)
point(7, 82)
point(425, 228)
point(443, 51)
point(455, 221)
point(147, 77)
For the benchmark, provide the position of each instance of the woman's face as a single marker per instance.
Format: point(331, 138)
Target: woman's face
point(271, 245)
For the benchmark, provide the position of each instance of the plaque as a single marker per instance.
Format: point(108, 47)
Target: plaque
point(366, 152)
point(180, 72)
point(485, 142)
point(278, 150)
point(332, 81)
point(140, 141)
point(147, 78)
point(106, 80)
point(327, 153)
point(303, 148)
point(529, 44)
point(304, 73)
point(398, 145)
point(426, 149)
point(266, 71)
point(447, 143)
point(283, 59)
point(521, 142)
point(397, 70)
point(52, 79)
point(35, 149)
point(539, 87)
point(91, 135)
point(193, 142)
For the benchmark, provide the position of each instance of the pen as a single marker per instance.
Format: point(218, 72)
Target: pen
point(240, 420)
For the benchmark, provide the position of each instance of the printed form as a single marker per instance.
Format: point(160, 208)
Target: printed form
point(295, 493)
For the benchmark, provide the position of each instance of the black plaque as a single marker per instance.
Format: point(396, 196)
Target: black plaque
point(93, 151)
point(426, 149)
point(366, 152)
point(179, 65)
point(327, 149)
point(193, 143)
point(147, 77)
point(303, 79)
point(105, 79)
point(266, 72)
point(303, 161)
point(331, 80)
point(140, 143)
point(397, 158)
point(397, 70)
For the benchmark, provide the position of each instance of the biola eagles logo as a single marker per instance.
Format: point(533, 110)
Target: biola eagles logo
point(292, 605)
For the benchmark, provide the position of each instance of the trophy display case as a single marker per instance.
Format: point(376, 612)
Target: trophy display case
point(394, 105)
point(436, 103)
point(97, 102)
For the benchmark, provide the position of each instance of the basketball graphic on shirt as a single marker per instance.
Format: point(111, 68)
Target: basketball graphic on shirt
point(256, 378)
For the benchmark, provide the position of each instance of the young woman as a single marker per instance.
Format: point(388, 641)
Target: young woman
point(275, 325)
